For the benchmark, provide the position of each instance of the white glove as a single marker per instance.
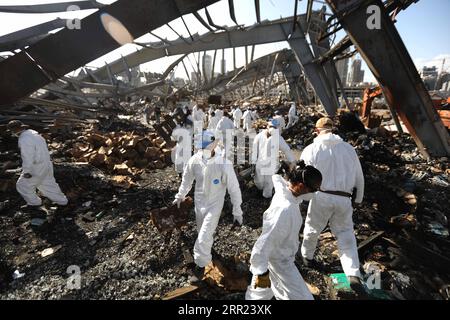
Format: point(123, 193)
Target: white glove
point(237, 219)
point(237, 215)
point(177, 202)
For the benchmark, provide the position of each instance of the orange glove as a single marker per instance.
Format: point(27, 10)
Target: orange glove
point(263, 280)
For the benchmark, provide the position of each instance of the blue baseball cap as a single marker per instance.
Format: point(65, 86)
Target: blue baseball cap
point(274, 123)
point(207, 138)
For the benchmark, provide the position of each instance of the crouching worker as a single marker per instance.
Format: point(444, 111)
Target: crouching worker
point(273, 255)
point(37, 168)
point(213, 176)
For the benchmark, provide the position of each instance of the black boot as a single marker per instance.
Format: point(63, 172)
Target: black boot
point(357, 286)
point(311, 264)
point(198, 274)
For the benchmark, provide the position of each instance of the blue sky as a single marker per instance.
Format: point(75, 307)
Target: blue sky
point(424, 27)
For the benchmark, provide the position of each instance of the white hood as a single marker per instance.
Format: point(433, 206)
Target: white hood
point(328, 139)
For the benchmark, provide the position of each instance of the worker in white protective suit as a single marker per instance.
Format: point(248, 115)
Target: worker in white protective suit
point(225, 130)
point(219, 112)
point(292, 116)
point(265, 156)
point(342, 173)
point(255, 115)
point(247, 120)
point(181, 153)
point(237, 115)
point(273, 255)
point(210, 111)
point(213, 121)
point(37, 167)
point(199, 116)
point(279, 117)
point(213, 176)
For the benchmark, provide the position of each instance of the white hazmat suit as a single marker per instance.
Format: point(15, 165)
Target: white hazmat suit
point(265, 155)
point(182, 136)
point(341, 171)
point(225, 130)
point(199, 116)
point(219, 113)
point(36, 161)
point(248, 119)
point(276, 248)
point(213, 121)
point(213, 178)
point(237, 115)
point(292, 116)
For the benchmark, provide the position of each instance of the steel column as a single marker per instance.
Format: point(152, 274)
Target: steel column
point(389, 60)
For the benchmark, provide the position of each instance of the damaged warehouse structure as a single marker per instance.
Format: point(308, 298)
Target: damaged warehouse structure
point(118, 218)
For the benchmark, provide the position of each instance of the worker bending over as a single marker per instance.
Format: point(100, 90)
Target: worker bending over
point(273, 255)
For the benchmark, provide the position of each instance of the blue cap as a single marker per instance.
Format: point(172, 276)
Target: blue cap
point(207, 138)
point(274, 123)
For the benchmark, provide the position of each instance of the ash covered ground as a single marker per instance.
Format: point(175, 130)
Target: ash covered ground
point(121, 255)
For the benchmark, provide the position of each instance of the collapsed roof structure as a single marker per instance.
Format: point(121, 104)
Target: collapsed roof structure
point(43, 60)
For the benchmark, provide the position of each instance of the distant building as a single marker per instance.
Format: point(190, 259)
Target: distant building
point(429, 76)
point(356, 73)
point(195, 78)
point(429, 71)
point(207, 66)
point(342, 69)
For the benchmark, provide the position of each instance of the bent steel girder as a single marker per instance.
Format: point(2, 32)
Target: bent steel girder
point(296, 82)
point(314, 71)
point(391, 6)
point(17, 39)
point(254, 68)
point(389, 60)
point(318, 25)
point(21, 43)
point(52, 7)
point(257, 72)
point(67, 50)
point(266, 32)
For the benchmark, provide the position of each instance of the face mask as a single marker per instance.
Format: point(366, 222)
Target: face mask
point(207, 154)
point(272, 131)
